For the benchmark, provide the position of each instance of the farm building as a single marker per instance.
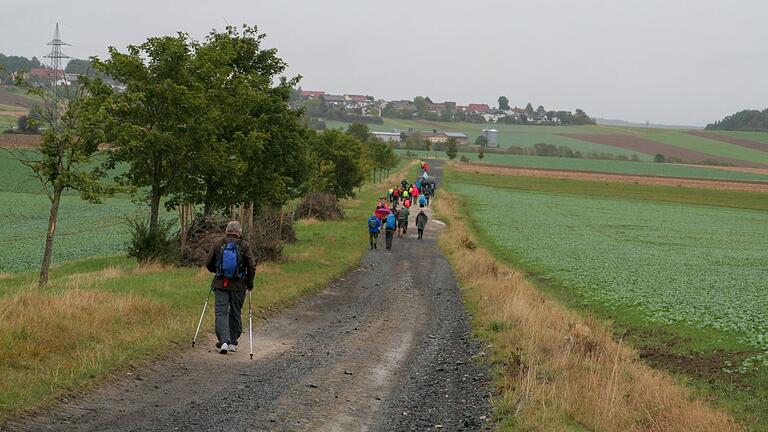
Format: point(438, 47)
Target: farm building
point(387, 136)
point(460, 137)
point(335, 100)
point(492, 136)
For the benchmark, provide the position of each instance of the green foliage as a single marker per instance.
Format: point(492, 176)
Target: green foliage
point(205, 122)
point(746, 120)
point(339, 163)
point(659, 158)
point(148, 244)
point(451, 148)
point(27, 125)
point(503, 103)
point(481, 140)
point(359, 131)
point(481, 153)
point(12, 64)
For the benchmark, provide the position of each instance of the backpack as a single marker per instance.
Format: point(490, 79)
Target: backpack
point(230, 265)
point(422, 200)
point(372, 222)
point(391, 222)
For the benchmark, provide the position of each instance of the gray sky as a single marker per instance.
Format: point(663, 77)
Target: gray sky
point(667, 61)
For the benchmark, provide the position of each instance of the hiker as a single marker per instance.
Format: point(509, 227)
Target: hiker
point(390, 227)
point(404, 184)
point(422, 201)
point(374, 226)
point(396, 195)
point(231, 259)
point(402, 221)
point(427, 193)
point(390, 191)
point(405, 195)
point(421, 223)
point(407, 203)
point(381, 203)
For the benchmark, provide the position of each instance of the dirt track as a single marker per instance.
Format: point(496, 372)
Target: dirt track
point(614, 178)
point(385, 348)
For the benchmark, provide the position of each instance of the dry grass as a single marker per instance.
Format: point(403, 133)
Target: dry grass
point(308, 221)
point(60, 337)
point(558, 370)
point(152, 267)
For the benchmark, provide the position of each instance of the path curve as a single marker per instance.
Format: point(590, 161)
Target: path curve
point(387, 347)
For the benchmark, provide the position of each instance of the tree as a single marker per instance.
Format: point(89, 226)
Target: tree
point(65, 159)
point(156, 124)
point(28, 125)
point(421, 103)
point(659, 158)
point(481, 153)
point(503, 103)
point(481, 140)
point(359, 131)
point(427, 146)
point(249, 127)
point(451, 148)
point(529, 110)
point(339, 163)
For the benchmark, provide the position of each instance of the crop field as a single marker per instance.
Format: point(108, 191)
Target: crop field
point(691, 275)
point(608, 166)
point(84, 230)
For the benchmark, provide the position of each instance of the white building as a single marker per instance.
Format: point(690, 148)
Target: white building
point(387, 136)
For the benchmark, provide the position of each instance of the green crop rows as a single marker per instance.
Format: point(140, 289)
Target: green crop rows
point(84, 230)
point(694, 265)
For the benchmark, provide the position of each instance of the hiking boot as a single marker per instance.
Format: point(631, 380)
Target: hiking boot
point(374, 246)
point(232, 348)
point(223, 348)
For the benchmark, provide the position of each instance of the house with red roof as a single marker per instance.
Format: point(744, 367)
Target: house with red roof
point(311, 94)
point(478, 108)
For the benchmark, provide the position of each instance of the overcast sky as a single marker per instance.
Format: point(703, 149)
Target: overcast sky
point(668, 61)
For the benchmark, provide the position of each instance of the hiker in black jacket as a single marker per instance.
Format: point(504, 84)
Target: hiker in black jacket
point(421, 223)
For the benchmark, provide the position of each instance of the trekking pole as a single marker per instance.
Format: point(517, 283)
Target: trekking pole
point(250, 321)
point(201, 317)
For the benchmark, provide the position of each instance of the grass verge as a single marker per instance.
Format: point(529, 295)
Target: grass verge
point(101, 315)
point(555, 369)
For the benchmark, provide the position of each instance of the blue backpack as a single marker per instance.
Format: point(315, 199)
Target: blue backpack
point(230, 264)
point(422, 200)
point(391, 221)
point(373, 223)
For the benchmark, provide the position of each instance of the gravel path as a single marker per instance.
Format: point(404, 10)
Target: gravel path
point(385, 348)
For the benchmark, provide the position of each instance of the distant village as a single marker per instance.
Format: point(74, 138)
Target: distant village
point(320, 106)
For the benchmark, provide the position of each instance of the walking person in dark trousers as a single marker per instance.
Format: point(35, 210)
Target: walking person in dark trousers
point(231, 259)
point(374, 227)
point(391, 226)
point(421, 223)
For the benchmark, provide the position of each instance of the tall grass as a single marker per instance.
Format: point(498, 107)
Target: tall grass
point(555, 369)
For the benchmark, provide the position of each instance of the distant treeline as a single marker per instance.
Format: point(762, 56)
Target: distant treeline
point(747, 120)
point(13, 64)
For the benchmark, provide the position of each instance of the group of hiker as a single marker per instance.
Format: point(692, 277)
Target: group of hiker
point(232, 262)
point(393, 214)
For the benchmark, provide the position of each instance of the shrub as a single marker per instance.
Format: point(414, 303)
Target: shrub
point(146, 245)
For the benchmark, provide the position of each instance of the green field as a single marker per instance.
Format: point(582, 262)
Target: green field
point(606, 166)
point(681, 277)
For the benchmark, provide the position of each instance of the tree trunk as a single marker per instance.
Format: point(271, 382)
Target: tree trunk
point(154, 211)
point(48, 252)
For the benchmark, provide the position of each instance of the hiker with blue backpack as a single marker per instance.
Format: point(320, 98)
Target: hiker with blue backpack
point(390, 227)
point(231, 259)
point(374, 227)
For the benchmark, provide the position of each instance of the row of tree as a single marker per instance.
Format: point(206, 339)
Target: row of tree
point(205, 123)
point(746, 120)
